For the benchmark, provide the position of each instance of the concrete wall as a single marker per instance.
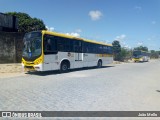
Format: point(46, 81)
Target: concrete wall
point(10, 47)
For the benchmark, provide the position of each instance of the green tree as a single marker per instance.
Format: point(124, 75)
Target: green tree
point(116, 49)
point(125, 54)
point(154, 54)
point(27, 23)
point(141, 48)
point(116, 46)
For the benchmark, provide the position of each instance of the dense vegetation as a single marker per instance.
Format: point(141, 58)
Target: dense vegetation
point(124, 54)
point(27, 23)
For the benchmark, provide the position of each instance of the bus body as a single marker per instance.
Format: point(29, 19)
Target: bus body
point(140, 56)
point(45, 51)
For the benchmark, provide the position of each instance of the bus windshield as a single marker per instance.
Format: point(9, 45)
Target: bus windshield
point(32, 45)
point(137, 54)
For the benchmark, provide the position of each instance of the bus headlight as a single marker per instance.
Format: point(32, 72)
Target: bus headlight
point(23, 61)
point(38, 61)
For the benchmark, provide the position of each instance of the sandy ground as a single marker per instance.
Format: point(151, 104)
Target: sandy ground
point(11, 70)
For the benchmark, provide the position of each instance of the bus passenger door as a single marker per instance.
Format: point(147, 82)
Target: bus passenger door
point(78, 54)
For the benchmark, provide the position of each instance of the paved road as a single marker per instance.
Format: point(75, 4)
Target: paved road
point(129, 86)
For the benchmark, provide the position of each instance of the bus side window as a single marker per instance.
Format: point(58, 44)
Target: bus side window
point(103, 49)
point(71, 45)
point(98, 49)
point(77, 46)
point(80, 46)
point(50, 45)
point(109, 49)
point(92, 48)
point(67, 45)
point(85, 49)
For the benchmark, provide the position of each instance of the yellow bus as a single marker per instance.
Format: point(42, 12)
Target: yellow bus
point(45, 51)
point(141, 56)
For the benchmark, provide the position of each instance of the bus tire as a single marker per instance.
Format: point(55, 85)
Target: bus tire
point(99, 64)
point(64, 67)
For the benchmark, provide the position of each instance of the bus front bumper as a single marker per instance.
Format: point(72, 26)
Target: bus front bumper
point(137, 59)
point(32, 67)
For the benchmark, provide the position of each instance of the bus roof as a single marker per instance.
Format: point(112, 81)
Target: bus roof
point(73, 37)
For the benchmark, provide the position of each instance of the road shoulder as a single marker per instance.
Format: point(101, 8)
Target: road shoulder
point(11, 70)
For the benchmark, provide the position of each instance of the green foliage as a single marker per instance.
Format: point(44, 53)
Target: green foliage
point(141, 48)
point(121, 53)
point(27, 23)
point(154, 54)
point(116, 49)
point(124, 54)
point(116, 46)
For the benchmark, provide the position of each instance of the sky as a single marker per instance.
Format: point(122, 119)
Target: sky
point(132, 22)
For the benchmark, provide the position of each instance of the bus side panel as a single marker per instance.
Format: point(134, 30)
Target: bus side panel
point(110, 60)
point(107, 60)
point(89, 60)
point(53, 62)
point(66, 56)
point(78, 60)
point(50, 62)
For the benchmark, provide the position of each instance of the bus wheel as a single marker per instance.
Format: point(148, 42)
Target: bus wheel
point(99, 64)
point(64, 67)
